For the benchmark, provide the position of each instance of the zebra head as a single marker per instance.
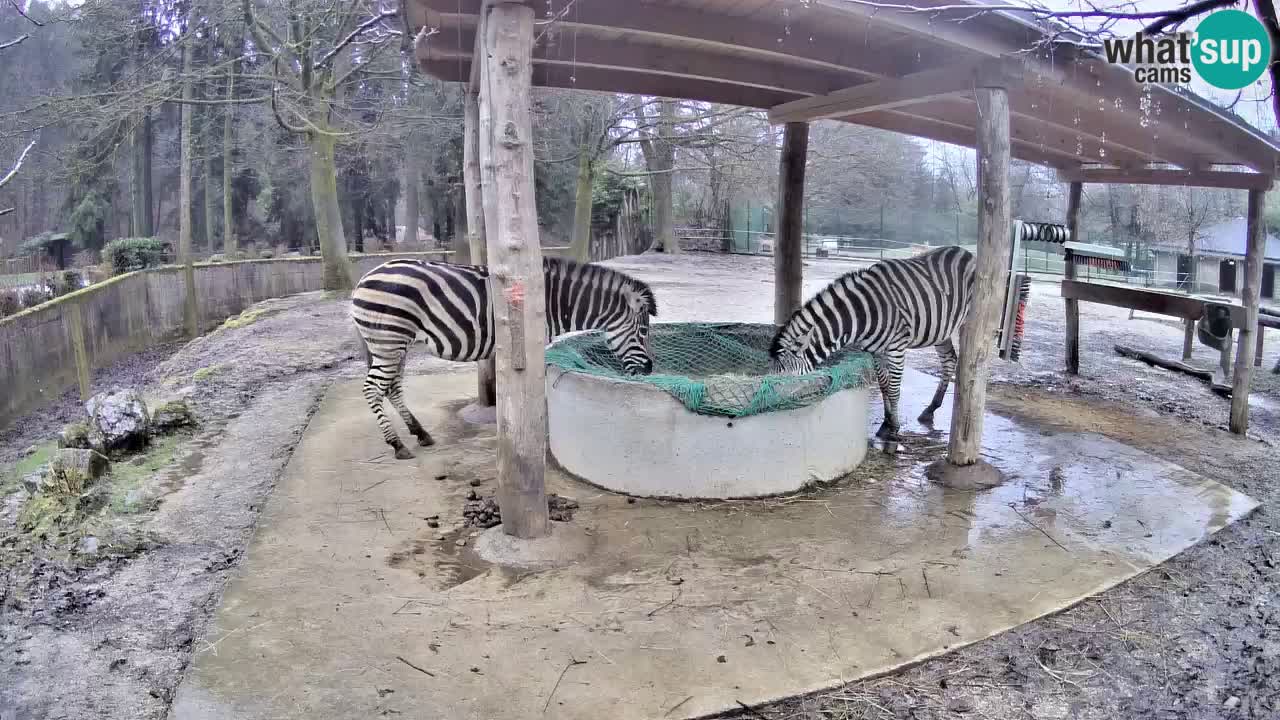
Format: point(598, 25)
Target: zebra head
point(794, 349)
point(627, 334)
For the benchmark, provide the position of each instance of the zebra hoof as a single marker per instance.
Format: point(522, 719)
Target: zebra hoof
point(887, 432)
point(926, 418)
point(403, 453)
point(425, 440)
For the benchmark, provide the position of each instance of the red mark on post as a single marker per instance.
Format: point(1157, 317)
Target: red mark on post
point(515, 294)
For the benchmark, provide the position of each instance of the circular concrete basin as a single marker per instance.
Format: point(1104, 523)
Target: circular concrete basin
point(635, 438)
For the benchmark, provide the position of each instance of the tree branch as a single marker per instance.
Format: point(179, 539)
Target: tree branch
point(13, 42)
point(24, 14)
point(1267, 11)
point(360, 29)
point(17, 166)
point(1181, 15)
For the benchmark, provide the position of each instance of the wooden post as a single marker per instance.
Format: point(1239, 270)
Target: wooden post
point(788, 251)
point(1243, 374)
point(1257, 348)
point(978, 331)
point(1069, 272)
point(515, 265)
point(74, 323)
point(485, 391)
point(1188, 338)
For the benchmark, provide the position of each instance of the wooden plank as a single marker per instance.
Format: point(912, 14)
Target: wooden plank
point(1157, 361)
point(485, 383)
point(1243, 375)
point(516, 287)
point(1139, 299)
point(1166, 176)
point(956, 134)
point(1069, 269)
point(994, 240)
point(897, 92)
point(788, 256)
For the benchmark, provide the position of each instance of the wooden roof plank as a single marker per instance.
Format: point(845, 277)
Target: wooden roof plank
point(1228, 179)
point(897, 92)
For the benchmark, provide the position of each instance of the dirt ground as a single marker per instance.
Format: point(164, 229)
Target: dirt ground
point(110, 635)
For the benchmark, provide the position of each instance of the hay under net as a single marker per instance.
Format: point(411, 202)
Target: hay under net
point(719, 369)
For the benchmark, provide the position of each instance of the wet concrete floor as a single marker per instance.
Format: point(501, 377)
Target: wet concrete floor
point(350, 606)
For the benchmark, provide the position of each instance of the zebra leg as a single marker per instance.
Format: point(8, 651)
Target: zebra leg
point(947, 354)
point(889, 373)
point(396, 395)
point(384, 373)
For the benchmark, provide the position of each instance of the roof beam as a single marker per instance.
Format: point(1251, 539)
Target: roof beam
point(1228, 179)
point(962, 135)
point(900, 91)
point(626, 56)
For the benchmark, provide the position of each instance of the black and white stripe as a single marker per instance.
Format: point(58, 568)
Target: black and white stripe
point(447, 306)
point(886, 309)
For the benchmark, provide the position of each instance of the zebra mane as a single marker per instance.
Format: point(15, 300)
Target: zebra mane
point(776, 344)
point(593, 273)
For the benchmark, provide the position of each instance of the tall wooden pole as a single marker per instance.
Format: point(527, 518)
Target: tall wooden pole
point(788, 255)
point(485, 391)
point(1069, 272)
point(515, 267)
point(994, 241)
point(1243, 374)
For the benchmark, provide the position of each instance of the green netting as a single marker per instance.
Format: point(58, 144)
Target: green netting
point(716, 368)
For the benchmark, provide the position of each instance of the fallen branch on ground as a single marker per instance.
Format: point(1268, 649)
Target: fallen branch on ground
point(1176, 366)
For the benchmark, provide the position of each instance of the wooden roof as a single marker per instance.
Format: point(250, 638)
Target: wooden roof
point(1069, 108)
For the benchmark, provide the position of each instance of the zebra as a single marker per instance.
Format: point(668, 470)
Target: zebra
point(885, 309)
point(447, 307)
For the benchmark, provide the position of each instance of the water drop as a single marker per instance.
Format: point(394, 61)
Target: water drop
point(1079, 145)
point(1102, 152)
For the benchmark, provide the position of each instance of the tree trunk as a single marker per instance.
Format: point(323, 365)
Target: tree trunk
point(143, 203)
point(210, 212)
point(184, 195)
point(580, 247)
point(664, 157)
point(486, 392)
point(516, 286)
point(324, 203)
point(412, 211)
point(229, 242)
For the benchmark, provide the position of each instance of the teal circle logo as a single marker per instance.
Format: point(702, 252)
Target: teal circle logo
point(1232, 49)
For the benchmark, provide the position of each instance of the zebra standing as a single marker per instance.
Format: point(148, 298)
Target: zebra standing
point(447, 307)
point(886, 309)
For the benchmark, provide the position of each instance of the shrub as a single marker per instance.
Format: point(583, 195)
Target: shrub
point(10, 303)
point(128, 254)
point(67, 281)
point(32, 297)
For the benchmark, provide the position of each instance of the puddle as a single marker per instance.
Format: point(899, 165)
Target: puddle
point(440, 561)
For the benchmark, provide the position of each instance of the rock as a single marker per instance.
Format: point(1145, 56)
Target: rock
point(88, 546)
point(170, 416)
point(72, 470)
point(960, 705)
point(118, 421)
point(1232, 702)
point(35, 480)
point(74, 435)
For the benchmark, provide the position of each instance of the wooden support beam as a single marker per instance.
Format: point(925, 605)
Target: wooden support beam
point(994, 238)
point(1229, 179)
point(788, 255)
point(901, 121)
point(1243, 375)
point(1069, 272)
point(1188, 337)
point(485, 390)
point(900, 91)
point(1257, 348)
point(516, 287)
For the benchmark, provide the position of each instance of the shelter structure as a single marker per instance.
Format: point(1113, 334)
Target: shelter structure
point(1216, 267)
point(952, 71)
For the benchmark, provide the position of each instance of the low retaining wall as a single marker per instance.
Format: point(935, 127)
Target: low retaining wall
point(54, 347)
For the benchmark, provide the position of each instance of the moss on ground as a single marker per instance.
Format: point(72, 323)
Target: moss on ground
point(13, 474)
point(205, 373)
point(128, 475)
point(248, 317)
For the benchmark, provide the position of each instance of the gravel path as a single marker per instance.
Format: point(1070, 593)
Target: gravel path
point(1197, 638)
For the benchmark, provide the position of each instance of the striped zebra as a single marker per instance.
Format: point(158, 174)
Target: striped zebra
point(886, 309)
point(447, 307)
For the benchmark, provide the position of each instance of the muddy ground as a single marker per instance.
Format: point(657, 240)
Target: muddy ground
point(109, 635)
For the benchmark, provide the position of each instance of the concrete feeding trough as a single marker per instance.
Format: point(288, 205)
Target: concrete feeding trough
point(709, 422)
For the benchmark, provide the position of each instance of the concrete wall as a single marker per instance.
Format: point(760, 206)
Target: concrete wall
point(55, 347)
